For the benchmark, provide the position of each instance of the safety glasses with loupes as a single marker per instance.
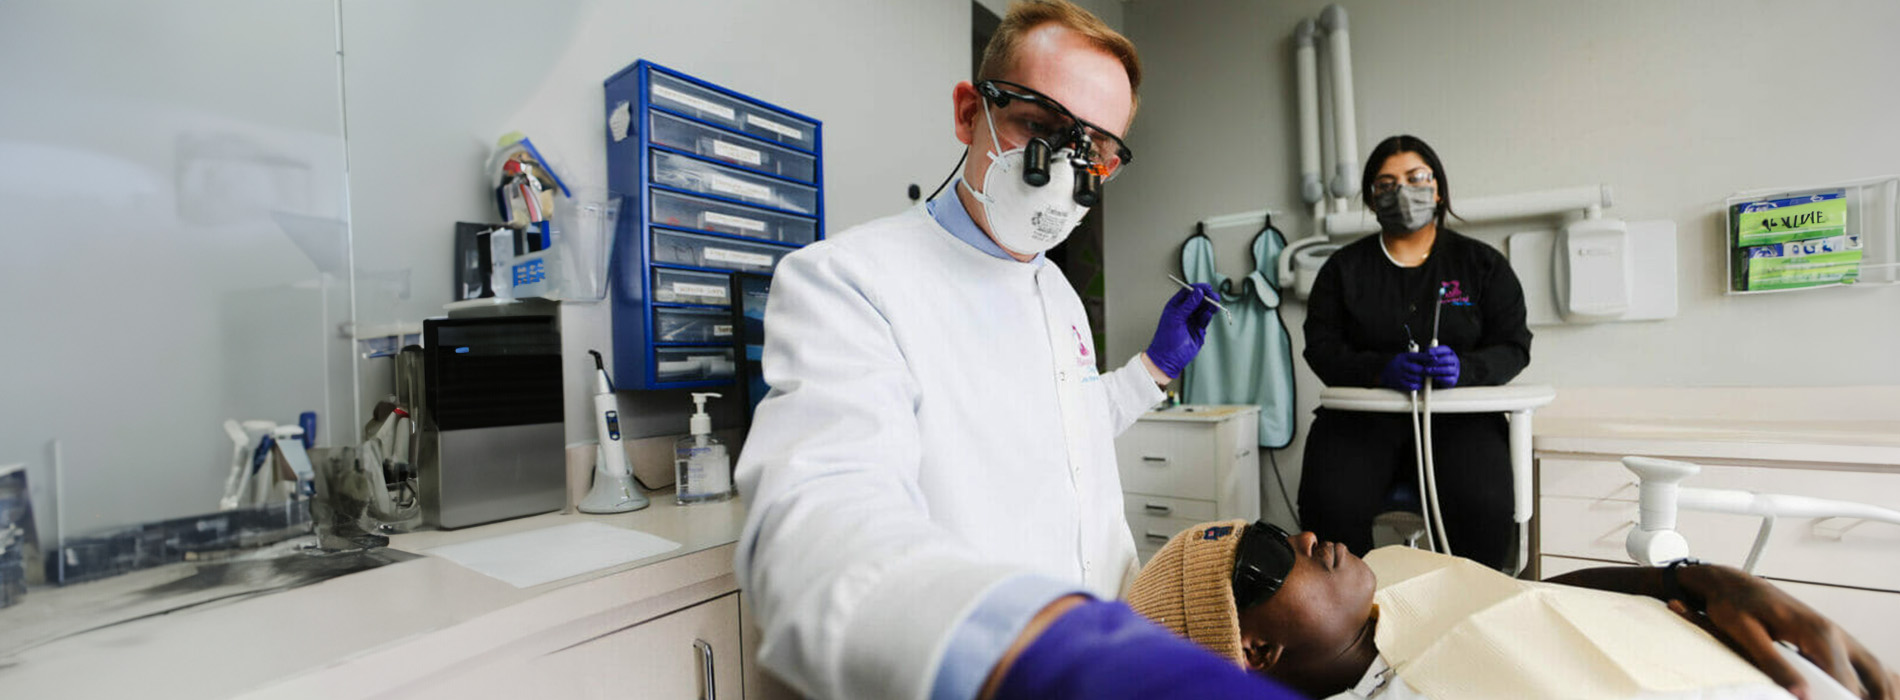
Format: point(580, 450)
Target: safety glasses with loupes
point(1262, 564)
point(1042, 126)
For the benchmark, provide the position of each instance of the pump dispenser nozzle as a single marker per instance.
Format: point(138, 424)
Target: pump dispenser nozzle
point(701, 423)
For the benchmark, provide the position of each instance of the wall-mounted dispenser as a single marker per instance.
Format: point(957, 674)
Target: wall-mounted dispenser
point(1597, 269)
point(1590, 269)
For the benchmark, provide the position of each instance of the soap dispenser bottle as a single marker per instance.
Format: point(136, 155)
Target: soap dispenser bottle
point(704, 471)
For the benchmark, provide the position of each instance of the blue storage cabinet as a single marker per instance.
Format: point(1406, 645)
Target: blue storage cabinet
point(712, 182)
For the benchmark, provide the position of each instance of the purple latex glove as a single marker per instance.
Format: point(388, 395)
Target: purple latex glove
point(1182, 330)
point(1443, 368)
point(1406, 371)
point(1106, 651)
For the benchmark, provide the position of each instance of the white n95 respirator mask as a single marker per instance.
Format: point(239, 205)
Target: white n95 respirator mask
point(1027, 219)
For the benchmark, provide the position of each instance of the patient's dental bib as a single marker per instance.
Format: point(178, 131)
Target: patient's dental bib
point(1455, 629)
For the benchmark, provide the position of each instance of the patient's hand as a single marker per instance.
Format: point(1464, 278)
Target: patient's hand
point(1752, 614)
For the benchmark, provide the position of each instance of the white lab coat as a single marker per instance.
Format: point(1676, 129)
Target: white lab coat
point(935, 425)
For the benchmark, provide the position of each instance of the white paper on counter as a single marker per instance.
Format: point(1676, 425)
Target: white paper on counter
point(535, 557)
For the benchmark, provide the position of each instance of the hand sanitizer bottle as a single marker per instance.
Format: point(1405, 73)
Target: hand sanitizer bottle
point(703, 470)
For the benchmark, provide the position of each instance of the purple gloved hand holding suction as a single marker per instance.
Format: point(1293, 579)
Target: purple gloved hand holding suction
point(1444, 367)
point(1406, 371)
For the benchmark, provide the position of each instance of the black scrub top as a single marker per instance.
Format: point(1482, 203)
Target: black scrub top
point(1362, 305)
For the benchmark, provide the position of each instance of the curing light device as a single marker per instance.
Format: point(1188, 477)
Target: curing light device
point(614, 490)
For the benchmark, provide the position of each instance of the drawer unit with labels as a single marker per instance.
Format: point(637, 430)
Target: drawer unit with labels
point(712, 183)
point(1188, 465)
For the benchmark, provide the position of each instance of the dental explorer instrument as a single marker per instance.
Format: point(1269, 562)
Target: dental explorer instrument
point(1210, 300)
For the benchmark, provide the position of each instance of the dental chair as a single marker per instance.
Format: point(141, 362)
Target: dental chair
point(1516, 402)
point(1654, 540)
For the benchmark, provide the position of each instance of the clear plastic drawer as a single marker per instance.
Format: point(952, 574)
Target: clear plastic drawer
point(687, 98)
point(674, 170)
point(703, 140)
point(721, 253)
point(671, 209)
point(693, 364)
point(688, 287)
point(692, 326)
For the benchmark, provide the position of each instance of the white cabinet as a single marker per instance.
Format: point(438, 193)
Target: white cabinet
point(692, 654)
point(1189, 465)
point(696, 653)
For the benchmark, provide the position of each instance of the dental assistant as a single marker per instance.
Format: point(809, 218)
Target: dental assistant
point(1371, 301)
point(935, 510)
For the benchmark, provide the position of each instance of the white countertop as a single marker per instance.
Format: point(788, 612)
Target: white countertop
point(1863, 443)
point(1197, 413)
point(226, 649)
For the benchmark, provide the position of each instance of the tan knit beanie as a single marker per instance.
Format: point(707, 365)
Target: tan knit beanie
point(1187, 587)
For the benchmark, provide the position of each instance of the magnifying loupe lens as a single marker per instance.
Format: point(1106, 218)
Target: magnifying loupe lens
point(1036, 163)
point(1088, 187)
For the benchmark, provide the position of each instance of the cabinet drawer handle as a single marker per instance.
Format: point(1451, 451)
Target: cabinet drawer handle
point(1154, 460)
point(705, 668)
point(1157, 509)
point(1156, 536)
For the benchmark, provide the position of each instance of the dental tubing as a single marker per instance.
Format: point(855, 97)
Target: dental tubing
point(1422, 422)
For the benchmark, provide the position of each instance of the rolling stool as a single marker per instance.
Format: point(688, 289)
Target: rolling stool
point(1516, 401)
point(1404, 514)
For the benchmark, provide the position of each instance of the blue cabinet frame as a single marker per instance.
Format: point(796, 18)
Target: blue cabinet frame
point(755, 205)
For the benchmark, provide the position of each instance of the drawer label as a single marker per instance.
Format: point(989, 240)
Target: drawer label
point(775, 127)
point(699, 103)
point(740, 222)
point(699, 290)
point(740, 188)
point(738, 257)
point(722, 331)
point(737, 153)
point(619, 121)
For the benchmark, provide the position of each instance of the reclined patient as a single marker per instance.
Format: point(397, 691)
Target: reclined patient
point(1407, 623)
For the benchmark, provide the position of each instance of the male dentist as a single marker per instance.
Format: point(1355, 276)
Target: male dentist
point(934, 507)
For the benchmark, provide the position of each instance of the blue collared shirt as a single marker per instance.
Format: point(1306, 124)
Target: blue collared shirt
point(948, 210)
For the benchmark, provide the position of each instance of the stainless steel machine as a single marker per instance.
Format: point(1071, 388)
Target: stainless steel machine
point(491, 436)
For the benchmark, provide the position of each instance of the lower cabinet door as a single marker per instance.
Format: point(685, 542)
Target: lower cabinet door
point(693, 654)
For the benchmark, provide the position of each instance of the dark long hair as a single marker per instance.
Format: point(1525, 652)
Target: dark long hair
point(1407, 143)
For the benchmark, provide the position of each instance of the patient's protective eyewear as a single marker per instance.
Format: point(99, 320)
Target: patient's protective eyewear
point(1262, 564)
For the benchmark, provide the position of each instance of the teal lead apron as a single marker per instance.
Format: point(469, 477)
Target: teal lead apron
point(1248, 361)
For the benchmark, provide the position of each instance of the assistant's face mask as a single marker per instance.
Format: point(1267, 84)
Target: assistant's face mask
point(1409, 208)
point(1024, 218)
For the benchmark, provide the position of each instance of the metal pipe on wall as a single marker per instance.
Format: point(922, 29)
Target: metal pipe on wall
point(1345, 183)
point(1306, 62)
point(1590, 199)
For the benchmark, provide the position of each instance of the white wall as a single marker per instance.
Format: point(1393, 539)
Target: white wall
point(1676, 105)
point(432, 83)
point(176, 247)
point(1109, 10)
